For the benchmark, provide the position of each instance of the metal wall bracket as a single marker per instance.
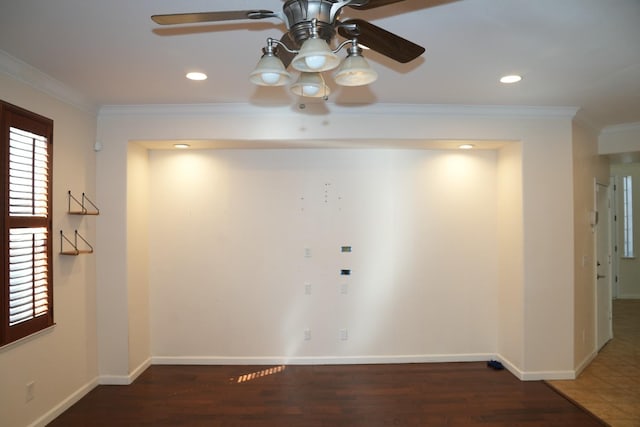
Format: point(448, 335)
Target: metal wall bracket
point(82, 207)
point(87, 249)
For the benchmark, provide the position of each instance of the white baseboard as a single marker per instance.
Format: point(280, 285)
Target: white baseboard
point(74, 397)
point(548, 375)
point(587, 360)
point(510, 367)
point(124, 379)
point(363, 360)
point(535, 375)
point(140, 369)
point(114, 380)
point(320, 360)
point(57, 410)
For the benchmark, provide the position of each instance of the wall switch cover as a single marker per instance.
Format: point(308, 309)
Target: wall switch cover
point(30, 391)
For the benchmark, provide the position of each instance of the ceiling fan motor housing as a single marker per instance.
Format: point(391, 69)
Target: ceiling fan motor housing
point(306, 16)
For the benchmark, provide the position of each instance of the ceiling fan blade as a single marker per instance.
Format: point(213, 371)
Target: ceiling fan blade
point(380, 40)
point(285, 56)
point(192, 18)
point(371, 4)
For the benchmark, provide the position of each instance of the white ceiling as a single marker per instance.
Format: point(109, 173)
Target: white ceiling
point(573, 53)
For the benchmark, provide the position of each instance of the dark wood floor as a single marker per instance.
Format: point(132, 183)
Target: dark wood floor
point(438, 394)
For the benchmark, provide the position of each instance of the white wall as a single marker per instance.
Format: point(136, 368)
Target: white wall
point(112, 268)
point(588, 166)
point(63, 360)
point(229, 229)
point(138, 261)
point(510, 237)
point(549, 278)
point(546, 278)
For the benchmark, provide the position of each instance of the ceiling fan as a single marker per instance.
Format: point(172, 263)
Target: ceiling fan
point(306, 46)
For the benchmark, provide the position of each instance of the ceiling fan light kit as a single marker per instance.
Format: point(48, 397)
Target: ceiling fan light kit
point(315, 56)
point(311, 85)
point(270, 70)
point(312, 26)
point(355, 70)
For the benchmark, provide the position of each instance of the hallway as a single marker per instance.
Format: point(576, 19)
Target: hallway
point(610, 386)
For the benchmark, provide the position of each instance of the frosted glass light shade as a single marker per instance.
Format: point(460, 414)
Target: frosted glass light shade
point(270, 71)
point(315, 56)
point(311, 85)
point(355, 71)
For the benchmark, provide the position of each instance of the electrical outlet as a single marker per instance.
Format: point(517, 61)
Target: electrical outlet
point(344, 334)
point(307, 288)
point(307, 334)
point(30, 391)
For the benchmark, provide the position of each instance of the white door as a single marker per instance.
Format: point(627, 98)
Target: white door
point(604, 315)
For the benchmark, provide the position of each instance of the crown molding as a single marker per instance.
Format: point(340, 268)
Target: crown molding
point(320, 109)
point(25, 73)
point(623, 127)
point(586, 121)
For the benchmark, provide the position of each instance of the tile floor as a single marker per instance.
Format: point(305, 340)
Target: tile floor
point(610, 386)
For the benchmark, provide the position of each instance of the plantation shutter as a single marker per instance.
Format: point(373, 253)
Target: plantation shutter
point(28, 266)
point(27, 302)
point(28, 173)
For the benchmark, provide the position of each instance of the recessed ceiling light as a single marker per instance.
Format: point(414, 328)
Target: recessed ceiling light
point(466, 146)
point(513, 78)
point(181, 146)
point(196, 76)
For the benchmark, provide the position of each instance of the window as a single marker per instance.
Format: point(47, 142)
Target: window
point(627, 216)
point(26, 297)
